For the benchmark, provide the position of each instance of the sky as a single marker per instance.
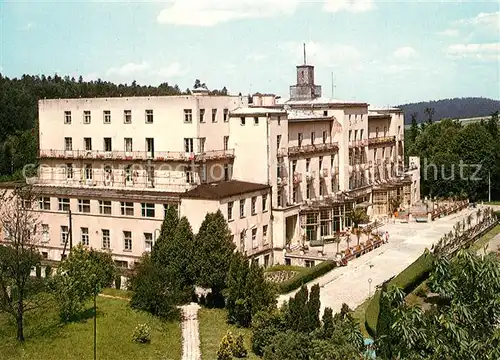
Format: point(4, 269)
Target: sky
point(381, 52)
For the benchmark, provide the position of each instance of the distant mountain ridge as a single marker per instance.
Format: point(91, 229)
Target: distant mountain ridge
point(457, 108)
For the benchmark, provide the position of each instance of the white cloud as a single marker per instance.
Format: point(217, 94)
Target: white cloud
point(489, 51)
point(129, 69)
point(354, 6)
point(324, 54)
point(449, 32)
point(144, 72)
point(213, 12)
point(405, 52)
point(484, 20)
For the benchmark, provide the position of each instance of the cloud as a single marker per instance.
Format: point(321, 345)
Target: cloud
point(448, 32)
point(489, 51)
point(489, 21)
point(354, 6)
point(256, 57)
point(405, 52)
point(144, 72)
point(323, 54)
point(213, 12)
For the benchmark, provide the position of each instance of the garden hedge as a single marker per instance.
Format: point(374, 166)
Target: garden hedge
point(407, 280)
point(306, 276)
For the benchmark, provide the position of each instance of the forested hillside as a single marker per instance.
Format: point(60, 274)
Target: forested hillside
point(19, 110)
point(458, 108)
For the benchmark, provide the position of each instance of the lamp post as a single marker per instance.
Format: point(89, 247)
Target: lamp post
point(369, 287)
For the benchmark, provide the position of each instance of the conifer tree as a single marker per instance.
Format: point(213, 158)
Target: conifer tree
point(313, 308)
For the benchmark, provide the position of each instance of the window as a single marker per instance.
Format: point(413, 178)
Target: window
point(69, 171)
point(361, 134)
point(278, 141)
point(280, 198)
point(320, 163)
point(214, 115)
point(26, 204)
point(188, 145)
point(88, 171)
point(376, 131)
point(226, 142)
point(256, 120)
point(254, 203)
point(87, 142)
point(127, 241)
point(85, 236)
point(127, 208)
point(242, 121)
point(67, 117)
point(128, 173)
point(188, 115)
point(64, 234)
point(202, 115)
point(325, 137)
point(45, 233)
point(45, 255)
point(203, 173)
point(226, 172)
point(385, 130)
point(148, 241)
point(294, 194)
point(288, 261)
point(313, 135)
point(148, 210)
point(128, 144)
point(44, 203)
point(300, 139)
point(279, 120)
point(86, 117)
point(83, 205)
point(189, 175)
point(294, 166)
point(266, 261)
point(149, 116)
point(350, 135)
point(254, 238)
point(325, 112)
point(106, 239)
point(105, 207)
point(202, 145)
point(230, 211)
point(308, 191)
point(150, 146)
point(355, 134)
point(226, 115)
point(127, 116)
point(264, 202)
point(106, 116)
point(63, 204)
point(242, 208)
point(107, 144)
point(308, 164)
point(68, 144)
point(264, 234)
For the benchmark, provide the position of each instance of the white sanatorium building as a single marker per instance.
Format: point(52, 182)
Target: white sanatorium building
point(282, 173)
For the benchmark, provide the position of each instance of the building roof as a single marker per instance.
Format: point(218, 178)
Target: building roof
point(99, 193)
point(325, 101)
point(256, 111)
point(378, 115)
point(297, 114)
point(223, 189)
point(384, 108)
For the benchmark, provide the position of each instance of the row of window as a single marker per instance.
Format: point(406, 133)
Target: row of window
point(254, 232)
point(253, 207)
point(300, 137)
point(148, 116)
point(148, 210)
point(127, 237)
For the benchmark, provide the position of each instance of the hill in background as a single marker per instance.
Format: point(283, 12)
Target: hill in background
point(458, 108)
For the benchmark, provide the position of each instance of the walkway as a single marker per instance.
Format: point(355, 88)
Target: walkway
point(407, 242)
point(190, 332)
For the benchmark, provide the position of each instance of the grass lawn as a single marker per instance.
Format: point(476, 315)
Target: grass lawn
point(485, 238)
point(213, 327)
point(117, 293)
point(47, 338)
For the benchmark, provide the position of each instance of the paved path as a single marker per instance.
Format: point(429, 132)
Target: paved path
point(407, 242)
point(190, 332)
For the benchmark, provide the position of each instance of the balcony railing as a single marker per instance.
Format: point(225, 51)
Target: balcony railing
point(358, 143)
point(382, 140)
point(310, 149)
point(137, 155)
point(282, 152)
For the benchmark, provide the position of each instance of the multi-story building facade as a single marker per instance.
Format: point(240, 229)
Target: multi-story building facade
point(282, 173)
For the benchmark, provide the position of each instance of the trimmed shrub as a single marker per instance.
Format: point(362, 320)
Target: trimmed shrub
point(225, 347)
point(142, 334)
point(238, 348)
point(118, 282)
point(306, 276)
point(407, 280)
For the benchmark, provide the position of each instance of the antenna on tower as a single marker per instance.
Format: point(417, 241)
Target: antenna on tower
point(305, 62)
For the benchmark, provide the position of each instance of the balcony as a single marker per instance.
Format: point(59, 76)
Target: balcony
point(312, 149)
point(382, 140)
point(137, 155)
point(282, 152)
point(358, 143)
point(297, 178)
